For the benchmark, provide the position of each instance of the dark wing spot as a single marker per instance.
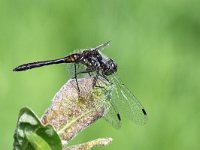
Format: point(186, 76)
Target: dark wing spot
point(118, 116)
point(144, 112)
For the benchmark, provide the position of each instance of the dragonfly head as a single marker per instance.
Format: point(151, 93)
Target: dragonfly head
point(111, 67)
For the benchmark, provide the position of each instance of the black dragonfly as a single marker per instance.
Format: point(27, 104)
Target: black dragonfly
point(123, 102)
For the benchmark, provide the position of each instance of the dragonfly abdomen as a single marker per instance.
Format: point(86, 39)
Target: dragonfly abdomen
point(37, 64)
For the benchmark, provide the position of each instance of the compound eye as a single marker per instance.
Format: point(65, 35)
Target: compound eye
point(113, 65)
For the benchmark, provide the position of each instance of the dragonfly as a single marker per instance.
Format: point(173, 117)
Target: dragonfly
point(123, 102)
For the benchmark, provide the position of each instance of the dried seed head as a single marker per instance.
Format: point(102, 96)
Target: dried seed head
point(70, 113)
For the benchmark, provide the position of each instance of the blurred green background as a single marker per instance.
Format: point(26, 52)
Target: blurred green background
point(155, 43)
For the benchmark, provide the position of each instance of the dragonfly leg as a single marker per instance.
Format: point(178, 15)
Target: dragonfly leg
point(82, 72)
point(95, 81)
point(75, 76)
point(97, 78)
point(105, 77)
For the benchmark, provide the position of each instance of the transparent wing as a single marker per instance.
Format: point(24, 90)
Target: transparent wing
point(79, 68)
point(102, 46)
point(99, 47)
point(113, 116)
point(127, 103)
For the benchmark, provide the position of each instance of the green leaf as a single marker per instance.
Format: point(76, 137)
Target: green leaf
point(32, 135)
point(37, 142)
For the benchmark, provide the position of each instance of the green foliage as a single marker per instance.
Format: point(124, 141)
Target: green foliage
point(31, 134)
point(155, 44)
